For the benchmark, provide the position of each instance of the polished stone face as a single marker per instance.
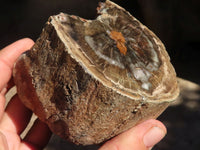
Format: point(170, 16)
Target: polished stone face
point(124, 50)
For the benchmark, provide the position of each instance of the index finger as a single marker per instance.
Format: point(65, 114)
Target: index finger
point(9, 55)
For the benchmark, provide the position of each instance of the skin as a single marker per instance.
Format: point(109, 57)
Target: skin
point(15, 117)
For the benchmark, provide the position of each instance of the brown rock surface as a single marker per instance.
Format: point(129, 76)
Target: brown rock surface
point(86, 95)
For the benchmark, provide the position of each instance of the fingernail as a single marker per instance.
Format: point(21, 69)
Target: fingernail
point(3, 91)
point(153, 136)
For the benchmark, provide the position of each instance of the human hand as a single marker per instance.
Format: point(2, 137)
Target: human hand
point(141, 137)
point(15, 118)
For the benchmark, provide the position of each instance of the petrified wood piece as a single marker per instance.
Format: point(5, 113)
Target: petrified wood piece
point(90, 80)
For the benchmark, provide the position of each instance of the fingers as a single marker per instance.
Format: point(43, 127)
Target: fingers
point(16, 116)
point(3, 142)
point(38, 136)
point(10, 53)
point(142, 137)
point(9, 85)
point(15, 120)
point(8, 56)
point(2, 103)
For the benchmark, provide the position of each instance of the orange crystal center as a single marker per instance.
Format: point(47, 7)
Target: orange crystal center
point(120, 40)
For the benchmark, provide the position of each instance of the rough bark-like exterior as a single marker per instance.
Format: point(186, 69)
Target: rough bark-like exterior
point(76, 105)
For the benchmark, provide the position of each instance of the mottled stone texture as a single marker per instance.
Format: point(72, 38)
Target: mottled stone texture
point(55, 80)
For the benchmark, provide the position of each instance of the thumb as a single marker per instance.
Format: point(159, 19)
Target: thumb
point(141, 137)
